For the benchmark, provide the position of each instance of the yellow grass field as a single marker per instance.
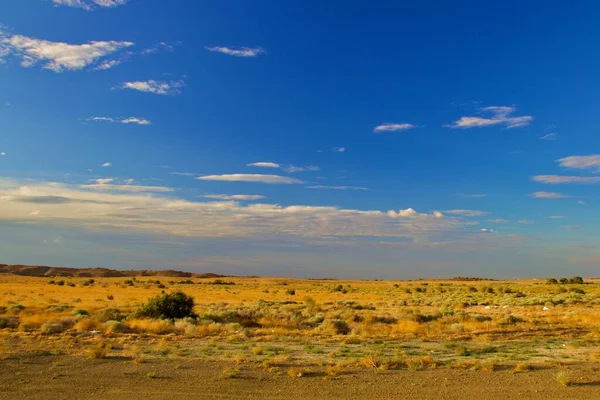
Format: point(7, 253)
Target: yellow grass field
point(290, 328)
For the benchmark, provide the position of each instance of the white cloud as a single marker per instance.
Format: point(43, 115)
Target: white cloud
point(134, 120)
point(108, 65)
point(549, 195)
point(555, 217)
point(89, 5)
point(2, 154)
point(293, 168)
point(392, 127)
point(411, 213)
point(525, 221)
point(237, 51)
point(591, 162)
point(130, 120)
point(182, 173)
point(498, 115)
point(103, 185)
point(338, 149)
point(467, 213)
point(497, 221)
point(246, 197)
point(263, 164)
point(106, 164)
point(558, 179)
point(122, 210)
point(59, 56)
point(337, 187)
point(581, 202)
point(156, 87)
point(549, 136)
point(258, 178)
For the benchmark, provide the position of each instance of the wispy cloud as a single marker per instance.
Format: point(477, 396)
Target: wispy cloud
point(467, 213)
point(59, 56)
point(393, 127)
point(264, 164)
point(90, 5)
point(338, 149)
point(2, 154)
point(558, 179)
point(130, 120)
point(106, 164)
point(497, 221)
point(591, 162)
point(257, 178)
point(337, 187)
point(549, 195)
point(182, 173)
point(156, 87)
point(472, 196)
point(105, 184)
point(246, 197)
point(549, 136)
point(237, 51)
point(497, 115)
point(555, 217)
point(293, 168)
point(525, 221)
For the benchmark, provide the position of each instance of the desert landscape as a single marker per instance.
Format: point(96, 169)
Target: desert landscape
point(275, 337)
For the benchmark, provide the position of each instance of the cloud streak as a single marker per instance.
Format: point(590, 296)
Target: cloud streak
point(165, 88)
point(324, 187)
point(237, 51)
point(256, 178)
point(467, 213)
point(130, 120)
point(549, 195)
point(560, 179)
point(263, 164)
point(497, 116)
point(591, 162)
point(245, 197)
point(393, 127)
point(90, 5)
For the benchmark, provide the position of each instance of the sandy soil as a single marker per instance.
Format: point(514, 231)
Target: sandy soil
point(64, 377)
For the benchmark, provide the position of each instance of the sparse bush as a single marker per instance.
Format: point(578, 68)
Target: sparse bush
point(115, 327)
point(98, 351)
point(522, 367)
point(290, 292)
point(168, 306)
point(52, 328)
point(80, 312)
point(335, 326)
point(564, 378)
point(8, 323)
point(110, 314)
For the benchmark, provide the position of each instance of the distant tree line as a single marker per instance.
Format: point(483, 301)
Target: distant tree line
point(576, 280)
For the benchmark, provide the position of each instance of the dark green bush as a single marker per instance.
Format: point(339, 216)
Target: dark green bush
point(168, 306)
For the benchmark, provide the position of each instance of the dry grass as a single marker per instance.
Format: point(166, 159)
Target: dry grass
point(245, 321)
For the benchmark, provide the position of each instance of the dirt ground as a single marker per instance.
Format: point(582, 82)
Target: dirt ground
point(65, 377)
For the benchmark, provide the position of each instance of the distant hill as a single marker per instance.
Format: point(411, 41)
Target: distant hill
point(40, 270)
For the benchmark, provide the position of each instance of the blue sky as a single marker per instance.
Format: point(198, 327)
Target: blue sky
point(347, 139)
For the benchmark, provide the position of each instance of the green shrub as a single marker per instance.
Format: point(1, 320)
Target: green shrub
point(81, 312)
point(175, 305)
